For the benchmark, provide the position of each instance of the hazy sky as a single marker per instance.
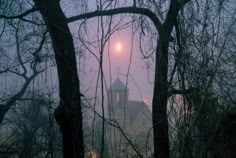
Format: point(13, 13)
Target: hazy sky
point(139, 86)
point(138, 81)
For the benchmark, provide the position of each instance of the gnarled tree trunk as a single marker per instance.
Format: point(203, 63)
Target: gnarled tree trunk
point(68, 114)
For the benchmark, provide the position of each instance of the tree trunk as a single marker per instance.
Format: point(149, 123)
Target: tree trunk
point(160, 97)
point(68, 114)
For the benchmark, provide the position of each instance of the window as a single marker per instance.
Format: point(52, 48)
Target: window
point(117, 97)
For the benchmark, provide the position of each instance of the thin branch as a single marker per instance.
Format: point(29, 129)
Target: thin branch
point(32, 22)
point(134, 10)
point(178, 91)
point(35, 53)
point(5, 108)
point(114, 123)
point(18, 53)
point(20, 16)
point(3, 28)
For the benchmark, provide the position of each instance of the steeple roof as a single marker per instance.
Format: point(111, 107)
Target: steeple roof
point(118, 85)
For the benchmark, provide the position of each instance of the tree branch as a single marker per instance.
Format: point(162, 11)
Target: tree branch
point(35, 53)
point(134, 10)
point(172, 14)
point(5, 108)
point(178, 91)
point(20, 16)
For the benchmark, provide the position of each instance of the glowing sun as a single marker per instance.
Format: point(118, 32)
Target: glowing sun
point(118, 47)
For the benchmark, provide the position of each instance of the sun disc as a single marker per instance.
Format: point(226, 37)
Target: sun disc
point(118, 47)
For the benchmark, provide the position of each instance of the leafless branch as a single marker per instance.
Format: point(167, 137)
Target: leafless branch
point(134, 10)
point(20, 16)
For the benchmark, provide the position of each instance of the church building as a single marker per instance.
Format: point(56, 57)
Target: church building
point(134, 124)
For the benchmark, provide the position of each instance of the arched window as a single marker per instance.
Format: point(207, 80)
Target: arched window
point(117, 97)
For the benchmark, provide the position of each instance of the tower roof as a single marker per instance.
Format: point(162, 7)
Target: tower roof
point(118, 85)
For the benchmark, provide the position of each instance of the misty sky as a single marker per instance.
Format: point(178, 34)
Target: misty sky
point(139, 79)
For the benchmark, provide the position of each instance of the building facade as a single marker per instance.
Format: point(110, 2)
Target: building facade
point(132, 124)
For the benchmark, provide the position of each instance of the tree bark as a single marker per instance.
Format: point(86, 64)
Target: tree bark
point(68, 114)
point(161, 86)
point(159, 102)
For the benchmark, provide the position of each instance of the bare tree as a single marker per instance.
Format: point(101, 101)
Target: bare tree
point(22, 68)
point(166, 22)
point(30, 129)
point(68, 113)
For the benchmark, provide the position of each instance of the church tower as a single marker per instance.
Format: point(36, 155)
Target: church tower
point(118, 96)
point(133, 117)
